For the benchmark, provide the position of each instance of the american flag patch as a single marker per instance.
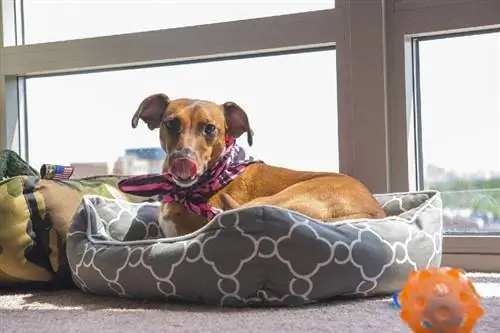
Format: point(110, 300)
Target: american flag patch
point(57, 172)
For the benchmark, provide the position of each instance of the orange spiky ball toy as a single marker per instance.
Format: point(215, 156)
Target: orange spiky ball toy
point(440, 300)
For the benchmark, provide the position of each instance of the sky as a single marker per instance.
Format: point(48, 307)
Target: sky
point(460, 86)
point(460, 96)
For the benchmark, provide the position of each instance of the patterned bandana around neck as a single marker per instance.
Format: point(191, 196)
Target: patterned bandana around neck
point(194, 198)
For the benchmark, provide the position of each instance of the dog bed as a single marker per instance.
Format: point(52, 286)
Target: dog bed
point(259, 255)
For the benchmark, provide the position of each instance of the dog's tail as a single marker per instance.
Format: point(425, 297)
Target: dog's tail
point(228, 202)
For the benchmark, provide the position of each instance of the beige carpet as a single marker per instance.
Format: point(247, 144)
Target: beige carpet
point(73, 311)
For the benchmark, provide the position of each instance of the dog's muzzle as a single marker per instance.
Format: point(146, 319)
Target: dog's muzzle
point(183, 164)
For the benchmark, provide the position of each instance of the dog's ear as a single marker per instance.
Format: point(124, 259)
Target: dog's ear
point(151, 111)
point(237, 121)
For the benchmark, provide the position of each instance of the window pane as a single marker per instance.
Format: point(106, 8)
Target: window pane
point(291, 102)
point(460, 108)
point(56, 20)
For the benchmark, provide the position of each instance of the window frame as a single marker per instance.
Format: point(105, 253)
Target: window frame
point(373, 42)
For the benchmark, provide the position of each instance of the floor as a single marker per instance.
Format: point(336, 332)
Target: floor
point(74, 311)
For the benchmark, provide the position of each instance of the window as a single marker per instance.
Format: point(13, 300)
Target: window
point(455, 89)
point(49, 21)
point(276, 91)
point(460, 128)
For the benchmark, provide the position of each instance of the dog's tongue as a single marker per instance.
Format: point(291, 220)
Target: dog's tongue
point(183, 168)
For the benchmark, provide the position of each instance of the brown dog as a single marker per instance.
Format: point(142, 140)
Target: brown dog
point(195, 133)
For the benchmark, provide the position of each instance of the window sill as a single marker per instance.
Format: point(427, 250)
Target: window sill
point(479, 253)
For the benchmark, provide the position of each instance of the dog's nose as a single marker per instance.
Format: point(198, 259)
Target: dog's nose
point(183, 153)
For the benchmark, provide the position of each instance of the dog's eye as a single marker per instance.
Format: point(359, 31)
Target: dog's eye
point(210, 129)
point(172, 125)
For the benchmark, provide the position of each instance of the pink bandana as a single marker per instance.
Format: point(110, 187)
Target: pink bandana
point(194, 198)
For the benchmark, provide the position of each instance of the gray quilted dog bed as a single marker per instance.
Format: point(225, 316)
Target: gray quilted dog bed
point(260, 255)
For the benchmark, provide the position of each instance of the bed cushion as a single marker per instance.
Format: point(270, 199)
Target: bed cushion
point(260, 255)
